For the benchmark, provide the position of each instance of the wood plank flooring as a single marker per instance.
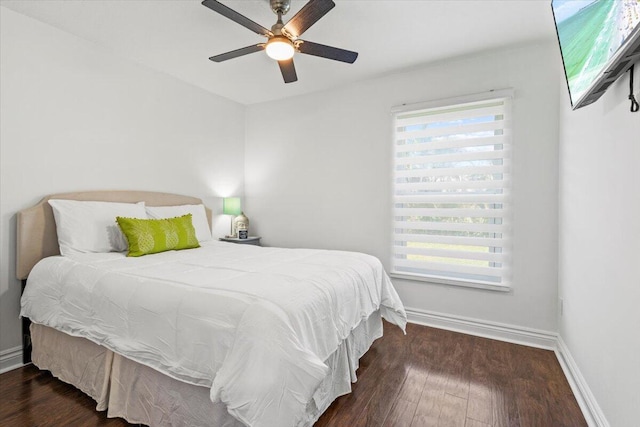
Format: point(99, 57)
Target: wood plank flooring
point(430, 377)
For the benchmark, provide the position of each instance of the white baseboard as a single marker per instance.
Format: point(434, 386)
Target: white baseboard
point(525, 336)
point(485, 329)
point(10, 359)
point(587, 401)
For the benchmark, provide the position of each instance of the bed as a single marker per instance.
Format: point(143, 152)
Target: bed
point(220, 335)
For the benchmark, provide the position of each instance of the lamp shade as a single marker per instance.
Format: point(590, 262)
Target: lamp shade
point(231, 206)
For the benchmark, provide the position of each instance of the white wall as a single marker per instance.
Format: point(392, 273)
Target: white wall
point(317, 174)
point(75, 117)
point(599, 252)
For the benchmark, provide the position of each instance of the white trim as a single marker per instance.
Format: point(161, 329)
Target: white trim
point(482, 96)
point(525, 336)
point(10, 359)
point(586, 400)
point(442, 281)
point(482, 328)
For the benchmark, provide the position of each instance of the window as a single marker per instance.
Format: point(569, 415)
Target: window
point(451, 191)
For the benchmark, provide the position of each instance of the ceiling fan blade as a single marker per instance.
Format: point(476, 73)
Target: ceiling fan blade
point(307, 16)
point(223, 10)
point(288, 70)
point(329, 52)
point(238, 52)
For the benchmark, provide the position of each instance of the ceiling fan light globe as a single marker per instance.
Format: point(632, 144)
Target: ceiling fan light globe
point(280, 48)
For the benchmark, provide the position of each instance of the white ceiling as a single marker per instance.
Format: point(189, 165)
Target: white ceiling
point(178, 36)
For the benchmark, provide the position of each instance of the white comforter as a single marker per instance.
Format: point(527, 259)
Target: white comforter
point(254, 324)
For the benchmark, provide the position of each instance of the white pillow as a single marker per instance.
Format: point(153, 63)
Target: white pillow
point(85, 227)
point(199, 219)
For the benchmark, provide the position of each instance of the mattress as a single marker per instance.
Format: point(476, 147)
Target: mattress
point(254, 326)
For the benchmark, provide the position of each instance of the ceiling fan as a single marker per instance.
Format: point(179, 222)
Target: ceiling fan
point(282, 39)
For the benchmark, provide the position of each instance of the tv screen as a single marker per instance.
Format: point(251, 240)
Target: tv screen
point(599, 39)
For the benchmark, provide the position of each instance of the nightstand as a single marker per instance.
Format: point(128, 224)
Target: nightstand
point(251, 240)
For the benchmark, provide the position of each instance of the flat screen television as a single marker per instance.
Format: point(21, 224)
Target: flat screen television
point(599, 41)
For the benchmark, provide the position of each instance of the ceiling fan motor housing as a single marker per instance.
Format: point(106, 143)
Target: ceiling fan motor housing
point(280, 6)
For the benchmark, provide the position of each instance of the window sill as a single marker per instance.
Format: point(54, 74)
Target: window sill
point(434, 280)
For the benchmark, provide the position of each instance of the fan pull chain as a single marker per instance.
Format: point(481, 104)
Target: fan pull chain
point(634, 104)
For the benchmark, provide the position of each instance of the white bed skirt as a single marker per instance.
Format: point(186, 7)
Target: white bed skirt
point(142, 395)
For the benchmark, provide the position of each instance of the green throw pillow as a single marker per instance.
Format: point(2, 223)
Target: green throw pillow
point(150, 236)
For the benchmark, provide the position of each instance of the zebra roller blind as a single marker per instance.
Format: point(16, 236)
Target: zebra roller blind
point(451, 192)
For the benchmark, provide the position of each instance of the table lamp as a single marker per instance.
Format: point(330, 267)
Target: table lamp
point(231, 206)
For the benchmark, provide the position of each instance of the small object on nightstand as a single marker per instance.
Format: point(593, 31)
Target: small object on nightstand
point(241, 222)
point(250, 240)
point(243, 234)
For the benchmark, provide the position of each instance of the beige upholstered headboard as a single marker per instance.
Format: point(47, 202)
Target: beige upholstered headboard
point(37, 237)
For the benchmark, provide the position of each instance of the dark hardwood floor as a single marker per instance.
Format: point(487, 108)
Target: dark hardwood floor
point(430, 377)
